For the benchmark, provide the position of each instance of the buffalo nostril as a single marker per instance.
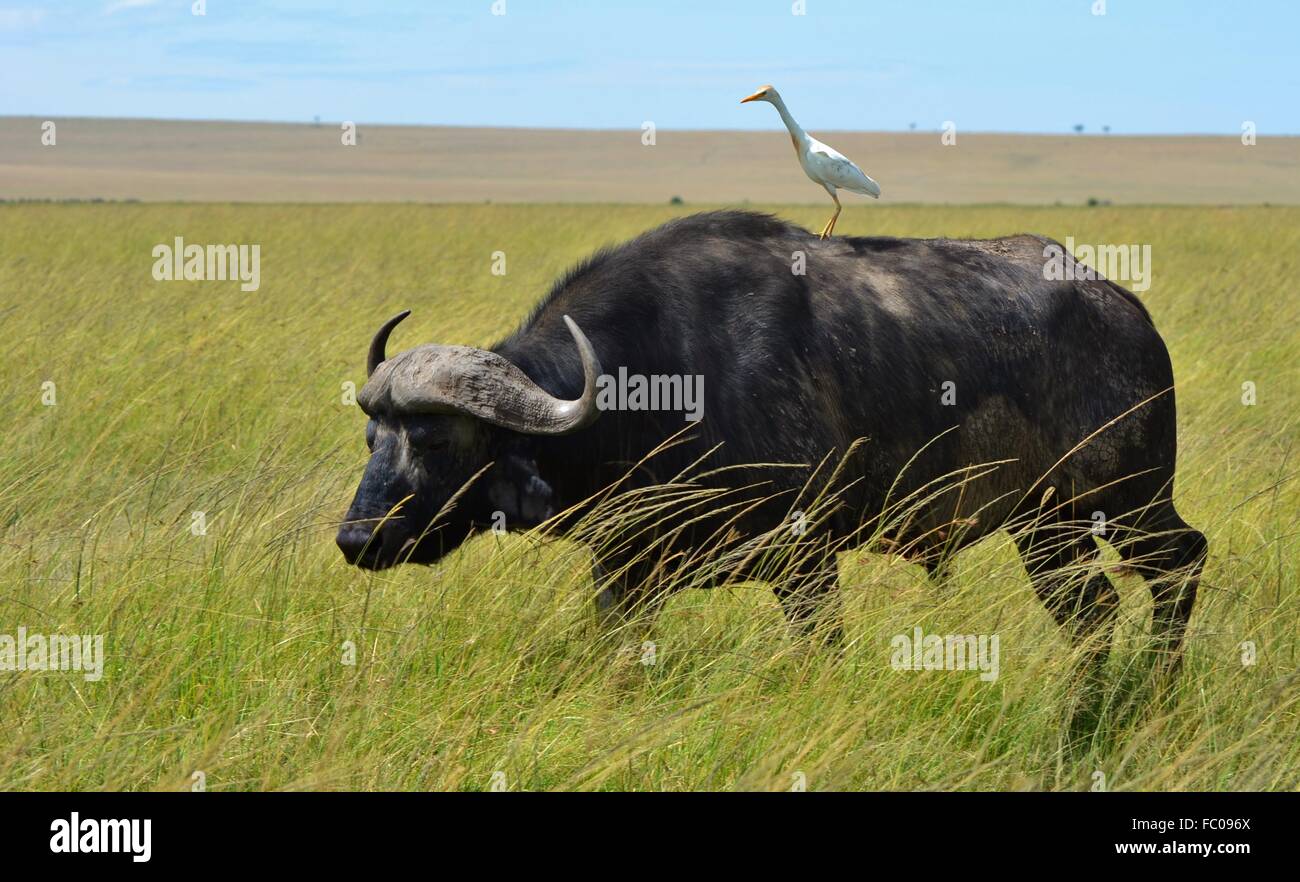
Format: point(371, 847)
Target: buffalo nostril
point(356, 541)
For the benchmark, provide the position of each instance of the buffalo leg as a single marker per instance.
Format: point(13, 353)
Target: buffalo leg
point(811, 600)
point(625, 591)
point(939, 570)
point(1058, 559)
point(1170, 555)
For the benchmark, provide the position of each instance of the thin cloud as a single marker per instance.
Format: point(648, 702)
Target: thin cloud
point(20, 19)
point(121, 5)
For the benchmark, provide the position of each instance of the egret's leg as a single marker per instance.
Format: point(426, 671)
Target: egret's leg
point(822, 234)
point(835, 216)
point(830, 224)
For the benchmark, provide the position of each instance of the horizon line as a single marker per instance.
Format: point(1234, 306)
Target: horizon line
point(314, 123)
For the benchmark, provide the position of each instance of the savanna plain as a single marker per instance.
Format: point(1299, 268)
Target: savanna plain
point(251, 653)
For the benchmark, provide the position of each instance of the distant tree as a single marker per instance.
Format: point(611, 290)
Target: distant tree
point(1078, 128)
point(676, 200)
point(1106, 129)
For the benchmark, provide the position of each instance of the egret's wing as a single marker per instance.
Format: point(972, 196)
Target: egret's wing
point(838, 170)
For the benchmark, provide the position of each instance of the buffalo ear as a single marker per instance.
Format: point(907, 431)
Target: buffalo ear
point(518, 491)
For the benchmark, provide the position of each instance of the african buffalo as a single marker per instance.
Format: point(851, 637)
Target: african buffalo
point(1052, 401)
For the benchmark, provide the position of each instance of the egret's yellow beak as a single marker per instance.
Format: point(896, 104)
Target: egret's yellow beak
point(754, 97)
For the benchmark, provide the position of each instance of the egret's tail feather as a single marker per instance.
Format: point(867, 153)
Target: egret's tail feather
point(869, 188)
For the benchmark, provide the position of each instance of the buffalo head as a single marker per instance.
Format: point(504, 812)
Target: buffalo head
point(449, 446)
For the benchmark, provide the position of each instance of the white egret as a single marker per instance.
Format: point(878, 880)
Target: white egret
point(821, 162)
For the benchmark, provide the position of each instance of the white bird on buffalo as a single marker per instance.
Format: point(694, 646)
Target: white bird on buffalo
point(824, 164)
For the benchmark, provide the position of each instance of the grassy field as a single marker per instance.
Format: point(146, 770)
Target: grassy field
point(225, 651)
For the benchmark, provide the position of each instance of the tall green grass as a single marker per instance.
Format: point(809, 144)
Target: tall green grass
point(225, 651)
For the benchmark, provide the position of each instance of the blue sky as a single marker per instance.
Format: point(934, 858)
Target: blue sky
point(1149, 66)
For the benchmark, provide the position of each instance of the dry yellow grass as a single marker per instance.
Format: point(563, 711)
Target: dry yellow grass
point(155, 160)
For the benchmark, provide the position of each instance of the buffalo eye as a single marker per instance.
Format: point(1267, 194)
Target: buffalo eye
point(371, 428)
point(423, 437)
